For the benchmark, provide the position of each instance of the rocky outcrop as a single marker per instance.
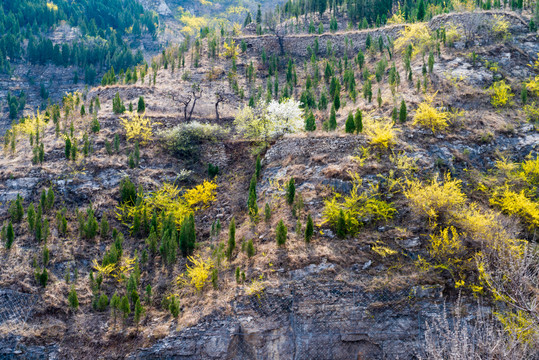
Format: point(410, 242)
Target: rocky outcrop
point(308, 319)
point(297, 45)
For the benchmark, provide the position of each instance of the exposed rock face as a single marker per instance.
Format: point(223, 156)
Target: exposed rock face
point(297, 45)
point(309, 320)
point(159, 6)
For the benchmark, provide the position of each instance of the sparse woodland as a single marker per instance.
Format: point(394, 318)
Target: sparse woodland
point(147, 204)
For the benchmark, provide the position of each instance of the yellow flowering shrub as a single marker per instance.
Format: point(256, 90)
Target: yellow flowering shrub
point(29, 125)
point(357, 206)
point(198, 273)
point(517, 203)
point(119, 270)
point(231, 50)
point(382, 132)
point(446, 245)
point(383, 251)
point(137, 127)
point(435, 198)
point(530, 171)
point(418, 35)
point(500, 27)
point(500, 94)
point(428, 116)
point(168, 200)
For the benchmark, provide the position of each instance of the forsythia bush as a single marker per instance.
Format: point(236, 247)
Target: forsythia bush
point(436, 198)
point(137, 127)
point(30, 125)
point(168, 201)
point(356, 207)
point(197, 274)
point(428, 116)
point(446, 245)
point(119, 270)
point(231, 50)
point(418, 36)
point(517, 203)
point(500, 94)
point(500, 27)
point(381, 131)
point(530, 171)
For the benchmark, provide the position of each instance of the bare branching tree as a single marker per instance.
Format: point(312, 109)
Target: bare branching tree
point(272, 20)
point(196, 92)
point(219, 98)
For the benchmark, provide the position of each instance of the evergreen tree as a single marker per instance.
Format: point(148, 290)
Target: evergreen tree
point(267, 212)
point(337, 101)
point(125, 308)
point(115, 306)
point(187, 236)
point(341, 225)
point(379, 98)
point(421, 10)
point(31, 217)
point(231, 238)
point(524, 95)
point(73, 299)
point(281, 233)
point(258, 167)
point(139, 311)
point(174, 307)
point(43, 277)
point(50, 199)
point(403, 112)
point(332, 119)
point(251, 202)
point(250, 249)
point(68, 148)
point(117, 104)
point(358, 120)
point(431, 62)
point(10, 235)
point(259, 15)
point(350, 127)
point(103, 302)
point(141, 107)
point(309, 229)
point(310, 122)
point(16, 210)
point(291, 191)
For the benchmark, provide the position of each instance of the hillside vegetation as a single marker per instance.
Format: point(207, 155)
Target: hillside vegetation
point(375, 171)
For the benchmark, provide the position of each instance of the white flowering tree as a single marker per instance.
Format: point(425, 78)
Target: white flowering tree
point(266, 121)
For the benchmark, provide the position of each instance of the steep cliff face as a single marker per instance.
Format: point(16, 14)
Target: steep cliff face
point(306, 318)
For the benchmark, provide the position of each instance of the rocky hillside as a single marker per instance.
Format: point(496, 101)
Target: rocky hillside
point(405, 201)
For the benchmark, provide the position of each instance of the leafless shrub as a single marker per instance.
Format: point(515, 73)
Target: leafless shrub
point(472, 337)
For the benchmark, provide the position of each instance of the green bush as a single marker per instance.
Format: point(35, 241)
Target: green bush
point(185, 139)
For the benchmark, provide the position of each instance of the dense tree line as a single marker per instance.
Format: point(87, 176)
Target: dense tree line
point(105, 22)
